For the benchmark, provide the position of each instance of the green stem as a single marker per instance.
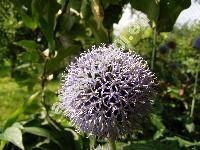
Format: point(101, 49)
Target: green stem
point(43, 85)
point(195, 89)
point(112, 145)
point(43, 88)
point(154, 48)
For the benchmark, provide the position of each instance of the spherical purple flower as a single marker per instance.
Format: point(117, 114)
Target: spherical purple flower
point(171, 44)
point(196, 43)
point(107, 92)
point(163, 49)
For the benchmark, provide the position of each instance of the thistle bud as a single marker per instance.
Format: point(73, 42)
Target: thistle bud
point(171, 44)
point(163, 49)
point(196, 44)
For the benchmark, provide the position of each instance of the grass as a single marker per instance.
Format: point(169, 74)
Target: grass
point(12, 95)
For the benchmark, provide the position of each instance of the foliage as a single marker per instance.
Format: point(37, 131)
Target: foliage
point(38, 40)
point(163, 13)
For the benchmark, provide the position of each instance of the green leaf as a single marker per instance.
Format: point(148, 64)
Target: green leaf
point(25, 65)
point(37, 8)
point(112, 14)
point(2, 143)
point(85, 9)
point(97, 12)
point(1, 136)
point(48, 33)
point(169, 12)
point(190, 126)
point(28, 21)
point(149, 7)
point(120, 145)
point(45, 14)
point(153, 145)
point(163, 12)
point(99, 33)
point(76, 136)
point(29, 45)
point(157, 122)
point(66, 23)
point(182, 142)
point(55, 63)
point(14, 135)
point(42, 132)
point(92, 142)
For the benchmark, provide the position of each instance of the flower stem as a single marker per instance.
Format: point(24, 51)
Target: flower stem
point(154, 48)
point(43, 90)
point(195, 89)
point(112, 145)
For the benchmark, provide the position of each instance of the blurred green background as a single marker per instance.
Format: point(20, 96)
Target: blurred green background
point(39, 38)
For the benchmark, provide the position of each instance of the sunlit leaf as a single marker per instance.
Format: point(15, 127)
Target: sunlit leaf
point(190, 127)
point(157, 122)
point(182, 142)
point(14, 135)
point(29, 45)
point(28, 21)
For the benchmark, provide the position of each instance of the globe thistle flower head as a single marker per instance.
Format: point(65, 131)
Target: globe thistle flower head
point(163, 49)
point(196, 44)
point(171, 44)
point(174, 66)
point(107, 92)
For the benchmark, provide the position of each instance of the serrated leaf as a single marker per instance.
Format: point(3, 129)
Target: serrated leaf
point(14, 135)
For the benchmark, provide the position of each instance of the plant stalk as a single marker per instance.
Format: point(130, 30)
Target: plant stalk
point(112, 145)
point(195, 88)
point(153, 57)
point(43, 87)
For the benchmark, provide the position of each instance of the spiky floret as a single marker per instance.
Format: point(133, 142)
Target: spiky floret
point(107, 92)
point(196, 44)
